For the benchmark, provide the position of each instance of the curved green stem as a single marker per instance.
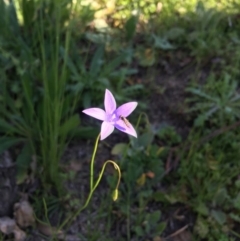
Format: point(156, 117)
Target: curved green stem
point(93, 189)
point(101, 173)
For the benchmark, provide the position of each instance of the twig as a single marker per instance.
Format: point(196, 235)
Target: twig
point(177, 232)
point(219, 132)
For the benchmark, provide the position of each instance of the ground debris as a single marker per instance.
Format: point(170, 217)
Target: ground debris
point(9, 226)
point(24, 214)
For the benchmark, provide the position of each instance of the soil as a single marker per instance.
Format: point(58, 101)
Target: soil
point(8, 187)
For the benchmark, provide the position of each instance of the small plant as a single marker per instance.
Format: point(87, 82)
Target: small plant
point(111, 117)
point(217, 102)
point(95, 73)
point(142, 173)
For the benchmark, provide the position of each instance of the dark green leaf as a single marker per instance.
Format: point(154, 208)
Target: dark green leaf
point(7, 142)
point(23, 162)
point(154, 217)
point(86, 132)
point(219, 216)
point(130, 27)
point(160, 228)
point(119, 149)
point(96, 62)
point(69, 125)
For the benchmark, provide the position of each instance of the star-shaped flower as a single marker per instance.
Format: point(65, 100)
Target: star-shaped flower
point(113, 117)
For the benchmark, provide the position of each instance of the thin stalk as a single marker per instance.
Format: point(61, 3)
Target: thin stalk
point(92, 162)
point(56, 101)
point(92, 191)
point(42, 128)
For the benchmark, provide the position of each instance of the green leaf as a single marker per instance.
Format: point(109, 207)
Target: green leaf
point(162, 43)
point(69, 125)
point(220, 197)
point(145, 139)
point(85, 132)
point(202, 209)
point(86, 99)
point(23, 162)
point(160, 228)
point(199, 121)
point(237, 184)
point(28, 11)
point(98, 38)
point(6, 127)
point(235, 217)
point(139, 231)
point(130, 27)
point(200, 93)
point(119, 149)
point(96, 62)
point(7, 142)
point(219, 216)
point(154, 217)
point(172, 198)
point(236, 202)
point(110, 67)
point(175, 33)
point(159, 197)
point(130, 89)
point(146, 58)
point(201, 227)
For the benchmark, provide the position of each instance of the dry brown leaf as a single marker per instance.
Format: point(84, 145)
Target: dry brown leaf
point(9, 226)
point(157, 238)
point(19, 235)
point(150, 174)
point(23, 214)
point(141, 180)
point(183, 236)
point(50, 231)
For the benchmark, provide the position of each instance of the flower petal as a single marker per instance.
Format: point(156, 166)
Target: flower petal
point(96, 113)
point(120, 125)
point(106, 130)
point(126, 109)
point(109, 102)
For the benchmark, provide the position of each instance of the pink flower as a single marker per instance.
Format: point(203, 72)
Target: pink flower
point(113, 117)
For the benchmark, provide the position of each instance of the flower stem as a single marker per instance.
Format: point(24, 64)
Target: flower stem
point(93, 187)
point(92, 163)
point(68, 219)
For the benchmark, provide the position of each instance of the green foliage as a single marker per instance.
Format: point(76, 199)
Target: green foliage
point(207, 173)
point(130, 27)
point(205, 40)
point(99, 75)
point(55, 58)
point(142, 172)
point(217, 102)
point(36, 107)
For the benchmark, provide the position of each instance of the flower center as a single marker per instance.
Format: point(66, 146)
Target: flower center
point(112, 118)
